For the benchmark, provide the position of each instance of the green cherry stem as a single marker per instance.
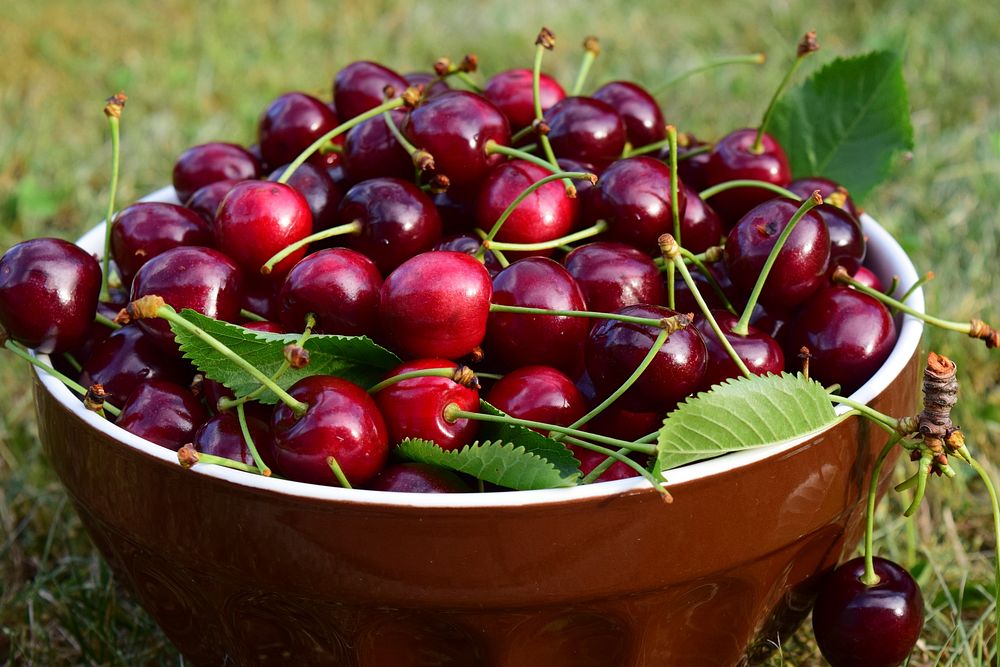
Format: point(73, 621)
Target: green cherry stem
point(591, 49)
point(253, 317)
point(665, 143)
point(524, 132)
point(806, 46)
point(544, 42)
point(743, 326)
point(22, 352)
point(71, 360)
point(601, 467)
point(612, 455)
point(598, 228)
point(337, 472)
point(747, 183)
point(422, 160)
point(248, 439)
point(525, 310)
point(394, 103)
point(674, 210)
point(113, 111)
point(870, 578)
point(109, 323)
point(923, 472)
point(749, 59)
point(697, 260)
point(424, 373)
point(922, 280)
point(493, 148)
point(995, 503)
point(188, 456)
point(868, 411)
point(339, 230)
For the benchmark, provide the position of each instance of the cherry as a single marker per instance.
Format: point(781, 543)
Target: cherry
point(760, 352)
point(455, 127)
point(701, 227)
point(422, 315)
point(259, 218)
point(414, 408)
point(733, 158)
point(418, 478)
point(97, 333)
point(511, 91)
point(849, 336)
point(260, 296)
point(397, 221)
point(865, 276)
point(268, 327)
point(615, 349)
point(590, 459)
point(371, 150)
point(202, 279)
point(221, 435)
point(875, 626)
point(684, 301)
point(206, 199)
point(515, 339)
point(49, 290)
point(342, 422)
point(614, 275)
point(802, 262)
point(360, 87)
point(804, 187)
point(644, 123)
point(162, 412)
point(634, 199)
point(692, 170)
point(127, 358)
point(457, 208)
point(290, 124)
point(205, 164)
point(322, 195)
point(146, 229)
point(538, 393)
point(470, 245)
point(431, 84)
point(847, 241)
point(339, 286)
point(616, 421)
point(545, 214)
point(585, 129)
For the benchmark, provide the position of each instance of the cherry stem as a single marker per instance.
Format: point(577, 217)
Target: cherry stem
point(712, 282)
point(71, 360)
point(253, 317)
point(424, 373)
point(598, 228)
point(452, 413)
point(212, 459)
point(502, 258)
point(339, 230)
point(524, 132)
point(612, 455)
point(923, 472)
point(601, 467)
point(991, 489)
point(869, 578)
point(747, 183)
point(106, 321)
point(337, 472)
point(493, 148)
point(591, 49)
point(674, 209)
point(389, 105)
point(422, 160)
point(170, 315)
point(924, 279)
point(113, 122)
point(806, 46)
point(22, 352)
point(536, 95)
point(743, 326)
point(750, 59)
point(247, 438)
point(525, 310)
point(883, 420)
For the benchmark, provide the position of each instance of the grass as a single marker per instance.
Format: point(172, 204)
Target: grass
point(197, 71)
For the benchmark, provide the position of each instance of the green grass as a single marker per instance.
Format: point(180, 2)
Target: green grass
point(197, 71)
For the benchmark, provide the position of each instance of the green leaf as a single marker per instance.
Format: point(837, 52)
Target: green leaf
point(847, 122)
point(354, 358)
point(743, 413)
point(503, 464)
point(552, 451)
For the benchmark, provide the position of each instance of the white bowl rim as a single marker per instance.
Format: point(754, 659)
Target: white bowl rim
point(888, 260)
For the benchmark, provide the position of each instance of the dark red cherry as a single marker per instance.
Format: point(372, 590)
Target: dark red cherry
point(634, 199)
point(644, 123)
point(866, 277)
point(339, 286)
point(757, 349)
point(163, 413)
point(511, 92)
point(801, 265)
point(701, 227)
point(205, 200)
point(127, 358)
point(874, 626)
point(360, 86)
point(322, 195)
point(290, 124)
point(849, 336)
point(847, 241)
point(590, 459)
point(342, 421)
point(684, 301)
point(454, 127)
point(431, 83)
point(546, 214)
point(259, 218)
point(585, 129)
point(260, 296)
point(398, 220)
point(470, 244)
point(615, 349)
point(538, 393)
point(693, 169)
point(733, 158)
point(205, 164)
point(48, 294)
point(418, 478)
point(146, 229)
point(267, 327)
point(202, 279)
point(615, 421)
point(436, 305)
point(414, 408)
point(372, 150)
point(457, 208)
point(221, 435)
point(97, 333)
point(614, 275)
point(515, 340)
point(804, 187)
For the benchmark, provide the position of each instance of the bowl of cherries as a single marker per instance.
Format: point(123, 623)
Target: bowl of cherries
point(461, 371)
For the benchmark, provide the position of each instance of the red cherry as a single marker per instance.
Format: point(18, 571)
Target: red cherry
point(538, 393)
point(372, 150)
point(322, 195)
point(163, 413)
point(585, 129)
point(511, 91)
point(644, 123)
point(634, 196)
point(733, 158)
point(222, 436)
point(701, 227)
point(866, 277)
point(360, 87)
point(470, 245)
point(590, 459)
point(760, 352)
point(431, 83)
point(205, 164)
point(418, 478)
point(290, 124)
point(205, 200)
point(146, 229)
point(804, 187)
point(614, 275)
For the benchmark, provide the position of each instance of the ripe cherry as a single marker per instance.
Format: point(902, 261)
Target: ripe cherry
point(684, 301)
point(590, 459)
point(644, 123)
point(260, 296)
point(342, 422)
point(511, 92)
point(206, 199)
point(867, 277)
point(49, 290)
point(875, 626)
point(538, 393)
point(414, 408)
point(290, 124)
point(360, 86)
point(470, 245)
point(693, 169)
point(163, 413)
point(322, 195)
point(585, 129)
point(205, 164)
point(457, 208)
point(732, 158)
point(804, 187)
point(421, 315)
point(418, 478)
point(847, 241)
point(616, 421)
point(614, 275)
point(760, 352)
point(221, 435)
point(372, 150)
point(430, 83)
point(146, 229)
point(701, 227)
point(634, 199)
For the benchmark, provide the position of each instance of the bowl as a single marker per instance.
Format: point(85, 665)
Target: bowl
point(252, 570)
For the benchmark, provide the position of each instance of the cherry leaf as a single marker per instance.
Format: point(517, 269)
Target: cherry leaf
point(551, 450)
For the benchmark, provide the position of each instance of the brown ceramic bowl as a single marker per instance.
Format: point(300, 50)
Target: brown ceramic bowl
point(263, 571)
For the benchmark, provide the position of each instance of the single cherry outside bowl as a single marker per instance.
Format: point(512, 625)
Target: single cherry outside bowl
point(252, 570)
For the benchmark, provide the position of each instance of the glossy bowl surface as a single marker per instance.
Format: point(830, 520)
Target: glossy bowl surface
point(263, 571)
